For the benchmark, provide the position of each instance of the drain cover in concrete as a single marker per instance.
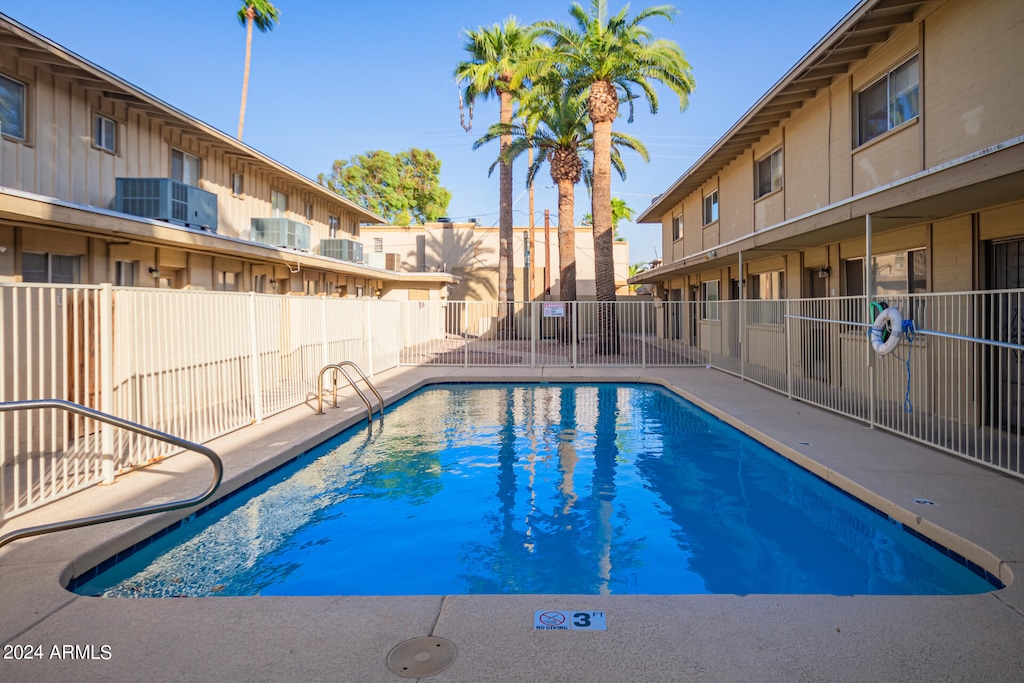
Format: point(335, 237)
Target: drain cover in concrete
point(424, 656)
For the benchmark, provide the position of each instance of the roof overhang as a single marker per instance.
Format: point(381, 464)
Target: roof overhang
point(29, 46)
point(987, 178)
point(38, 211)
point(867, 25)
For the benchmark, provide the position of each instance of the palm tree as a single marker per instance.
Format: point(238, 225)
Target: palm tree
point(555, 124)
point(495, 67)
point(263, 15)
point(610, 58)
point(634, 270)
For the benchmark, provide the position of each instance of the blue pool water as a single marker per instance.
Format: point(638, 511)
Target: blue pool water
point(551, 488)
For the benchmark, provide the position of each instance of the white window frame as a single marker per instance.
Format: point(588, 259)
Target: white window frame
point(332, 225)
point(187, 162)
point(104, 133)
point(894, 117)
point(125, 273)
point(277, 198)
point(710, 205)
point(709, 300)
point(8, 130)
point(677, 228)
point(309, 211)
point(773, 165)
point(237, 184)
point(228, 280)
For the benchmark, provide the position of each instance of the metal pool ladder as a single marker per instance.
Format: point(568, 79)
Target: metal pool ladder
point(218, 469)
point(340, 367)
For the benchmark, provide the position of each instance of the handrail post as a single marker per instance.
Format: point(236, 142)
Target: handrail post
point(107, 381)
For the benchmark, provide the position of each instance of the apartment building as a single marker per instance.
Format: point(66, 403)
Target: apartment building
point(102, 182)
point(888, 163)
point(470, 251)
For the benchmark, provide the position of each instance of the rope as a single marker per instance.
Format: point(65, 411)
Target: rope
point(908, 332)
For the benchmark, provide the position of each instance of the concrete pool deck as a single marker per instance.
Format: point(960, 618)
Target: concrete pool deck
point(978, 512)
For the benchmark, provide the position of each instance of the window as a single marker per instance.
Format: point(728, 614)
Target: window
point(184, 167)
point(124, 273)
point(259, 283)
point(709, 300)
point(765, 291)
point(237, 184)
point(12, 108)
point(58, 268)
point(309, 211)
point(904, 272)
point(887, 103)
point(711, 208)
point(332, 226)
point(378, 245)
point(278, 203)
point(677, 227)
point(769, 173)
point(227, 281)
point(104, 133)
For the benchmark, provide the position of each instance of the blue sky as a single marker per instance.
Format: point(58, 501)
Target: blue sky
point(335, 79)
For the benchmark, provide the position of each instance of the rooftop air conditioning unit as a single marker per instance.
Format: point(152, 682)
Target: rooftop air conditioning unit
point(384, 261)
point(167, 200)
point(280, 232)
point(342, 249)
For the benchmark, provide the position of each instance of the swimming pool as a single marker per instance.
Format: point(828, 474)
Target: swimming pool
point(541, 488)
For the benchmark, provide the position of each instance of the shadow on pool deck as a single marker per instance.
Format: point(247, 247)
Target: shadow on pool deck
point(649, 638)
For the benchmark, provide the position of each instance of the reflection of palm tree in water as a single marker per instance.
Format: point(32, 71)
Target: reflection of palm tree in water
point(567, 457)
point(605, 452)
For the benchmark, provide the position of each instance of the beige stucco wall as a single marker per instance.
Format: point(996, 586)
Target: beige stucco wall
point(970, 65)
point(471, 253)
point(57, 158)
point(973, 96)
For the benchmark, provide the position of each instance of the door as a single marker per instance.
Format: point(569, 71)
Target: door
point(814, 348)
point(1005, 271)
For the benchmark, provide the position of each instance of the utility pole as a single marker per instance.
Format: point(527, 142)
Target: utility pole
point(547, 254)
point(533, 241)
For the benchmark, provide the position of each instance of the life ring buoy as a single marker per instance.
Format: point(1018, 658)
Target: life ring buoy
point(884, 346)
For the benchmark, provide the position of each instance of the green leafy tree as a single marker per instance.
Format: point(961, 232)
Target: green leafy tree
point(403, 187)
point(495, 67)
point(620, 211)
point(262, 15)
point(613, 59)
point(634, 270)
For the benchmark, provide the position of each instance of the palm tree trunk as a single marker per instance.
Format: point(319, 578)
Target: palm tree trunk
point(245, 77)
point(566, 251)
point(604, 259)
point(506, 275)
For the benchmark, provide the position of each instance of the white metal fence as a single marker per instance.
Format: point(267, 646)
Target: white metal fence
point(193, 364)
point(200, 364)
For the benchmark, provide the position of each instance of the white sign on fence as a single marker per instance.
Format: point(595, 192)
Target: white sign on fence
point(556, 310)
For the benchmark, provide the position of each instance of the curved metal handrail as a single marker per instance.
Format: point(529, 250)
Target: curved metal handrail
point(320, 390)
point(218, 469)
point(339, 367)
point(380, 399)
